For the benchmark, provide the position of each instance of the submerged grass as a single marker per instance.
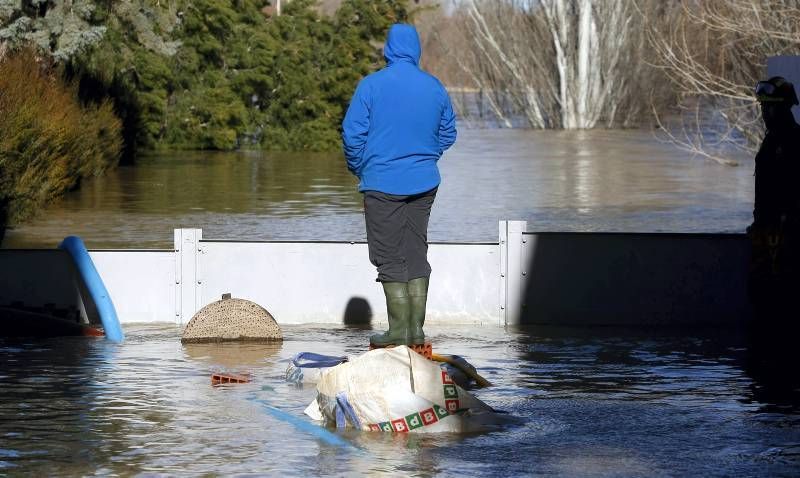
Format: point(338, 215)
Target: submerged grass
point(49, 141)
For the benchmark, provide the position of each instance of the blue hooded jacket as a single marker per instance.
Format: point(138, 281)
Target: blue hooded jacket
point(399, 122)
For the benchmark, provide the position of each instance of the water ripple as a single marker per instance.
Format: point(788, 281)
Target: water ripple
point(589, 403)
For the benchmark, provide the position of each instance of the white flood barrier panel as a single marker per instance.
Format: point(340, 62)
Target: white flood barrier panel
point(35, 277)
point(306, 282)
point(141, 283)
point(524, 278)
point(630, 279)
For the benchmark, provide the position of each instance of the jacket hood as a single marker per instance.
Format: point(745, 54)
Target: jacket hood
point(402, 44)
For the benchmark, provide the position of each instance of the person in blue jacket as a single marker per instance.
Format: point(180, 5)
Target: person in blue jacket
point(399, 123)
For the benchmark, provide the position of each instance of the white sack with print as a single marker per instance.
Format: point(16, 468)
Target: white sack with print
point(396, 389)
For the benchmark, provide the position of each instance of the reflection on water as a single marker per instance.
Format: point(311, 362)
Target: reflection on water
point(594, 402)
point(556, 180)
point(231, 355)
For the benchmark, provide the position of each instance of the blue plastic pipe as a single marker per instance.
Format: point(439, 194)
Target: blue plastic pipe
point(94, 284)
point(303, 426)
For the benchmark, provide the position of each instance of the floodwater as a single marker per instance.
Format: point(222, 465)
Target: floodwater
point(592, 402)
point(602, 180)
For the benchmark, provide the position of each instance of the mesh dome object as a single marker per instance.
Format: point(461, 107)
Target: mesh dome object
point(232, 320)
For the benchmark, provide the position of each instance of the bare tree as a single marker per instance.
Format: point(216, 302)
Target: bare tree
point(713, 52)
point(562, 63)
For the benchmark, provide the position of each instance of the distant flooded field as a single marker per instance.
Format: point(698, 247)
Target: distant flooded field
point(600, 180)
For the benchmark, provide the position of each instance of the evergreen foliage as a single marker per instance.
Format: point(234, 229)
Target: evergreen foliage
point(49, 140)
point(212, 74)
point(246, 80)
point(63, 28)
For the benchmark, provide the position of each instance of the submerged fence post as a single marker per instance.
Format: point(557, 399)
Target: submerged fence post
point(511, 271)
point(187, 287)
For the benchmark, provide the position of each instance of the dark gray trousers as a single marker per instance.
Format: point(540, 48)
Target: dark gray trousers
point(397, 234)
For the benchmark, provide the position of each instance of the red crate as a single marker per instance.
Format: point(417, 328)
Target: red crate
point(220, 378)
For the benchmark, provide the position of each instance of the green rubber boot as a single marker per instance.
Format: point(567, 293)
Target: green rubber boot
point(398, 307)
point(418, 293)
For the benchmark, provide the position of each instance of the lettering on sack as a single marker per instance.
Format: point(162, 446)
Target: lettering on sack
point(452, 405)
point(426, 417)
point(422, 418)
point(450, 393)
point(400, 425)
point(414, 421)
point(446, 378)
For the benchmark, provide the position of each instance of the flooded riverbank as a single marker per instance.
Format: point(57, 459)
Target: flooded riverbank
point(599, 180)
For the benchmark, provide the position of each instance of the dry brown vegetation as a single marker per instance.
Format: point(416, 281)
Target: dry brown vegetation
point(649, 61)
point(713, 52)
point(553, 63)
point(49, 141)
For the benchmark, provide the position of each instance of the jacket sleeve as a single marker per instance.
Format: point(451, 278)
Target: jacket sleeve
point(447, 125)
point(355, 128)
